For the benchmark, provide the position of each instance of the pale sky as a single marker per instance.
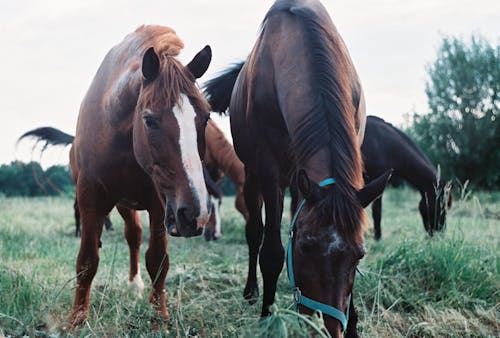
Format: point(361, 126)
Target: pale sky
point(51, 49)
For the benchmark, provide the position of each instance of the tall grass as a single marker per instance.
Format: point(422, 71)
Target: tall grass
point(414, 286)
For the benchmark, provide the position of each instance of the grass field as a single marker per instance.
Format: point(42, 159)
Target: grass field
point(414, 286)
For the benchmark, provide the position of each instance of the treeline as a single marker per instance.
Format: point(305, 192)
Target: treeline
point(29, 179)
point(461, 130)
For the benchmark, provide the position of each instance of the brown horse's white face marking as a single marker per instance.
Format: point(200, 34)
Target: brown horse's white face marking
point(186, 116)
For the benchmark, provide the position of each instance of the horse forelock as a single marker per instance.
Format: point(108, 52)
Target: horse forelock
point(174, 79)
point(167, 89)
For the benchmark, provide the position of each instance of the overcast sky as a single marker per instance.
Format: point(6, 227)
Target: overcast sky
point(51, 49)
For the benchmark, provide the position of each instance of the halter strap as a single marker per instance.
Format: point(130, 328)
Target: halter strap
point(298, 298)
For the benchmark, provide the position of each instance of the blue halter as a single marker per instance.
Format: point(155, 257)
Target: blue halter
point(298, 298)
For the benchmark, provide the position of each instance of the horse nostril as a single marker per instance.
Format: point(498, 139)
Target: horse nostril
point(185, 216)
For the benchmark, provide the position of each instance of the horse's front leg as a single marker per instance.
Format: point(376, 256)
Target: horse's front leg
point(271, 255)
point(133, 234)
point(253, 232)
point(157, 261)
point(88, 257)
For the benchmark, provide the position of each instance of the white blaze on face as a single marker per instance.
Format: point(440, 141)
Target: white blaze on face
point(218, 227)
point(188, 141)
point(336, 243)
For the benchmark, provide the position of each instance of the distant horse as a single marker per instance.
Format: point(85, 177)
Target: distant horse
point(138, 145)
point(221, 159)
point(387, 147)
point(297, 110)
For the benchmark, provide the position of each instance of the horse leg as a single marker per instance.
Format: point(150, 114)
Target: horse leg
point(272, 255)
point(157, 261)
point(108, 224)
point(77, 218)
point(253, 232)
point(377, 216)
point(133, 234)
point(352, 324)
point(88, 257)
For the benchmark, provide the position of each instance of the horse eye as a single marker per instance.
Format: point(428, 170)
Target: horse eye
point(151, 122)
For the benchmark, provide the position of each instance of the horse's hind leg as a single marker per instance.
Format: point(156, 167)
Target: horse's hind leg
point(107, 223)
point(77, 218)
point(377, 216)
point(253, 232)
point(133, 234)
point(157, 261)
point(352, 328)
point(88, 257)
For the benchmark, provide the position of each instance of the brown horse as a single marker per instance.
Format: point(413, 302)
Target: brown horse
point(138, 143)
point(221, 159)
point(297, 110)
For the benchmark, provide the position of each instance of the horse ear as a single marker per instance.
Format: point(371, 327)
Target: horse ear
point(374, 189)
point(199, 65)
point(150, 64)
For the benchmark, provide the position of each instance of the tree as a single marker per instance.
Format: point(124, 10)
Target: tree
point(461, 131)
point(29, 179)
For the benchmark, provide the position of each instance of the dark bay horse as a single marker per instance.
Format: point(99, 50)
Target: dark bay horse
point(387, 147)
point(297, 117)
point(221, 159)
point(138, 143)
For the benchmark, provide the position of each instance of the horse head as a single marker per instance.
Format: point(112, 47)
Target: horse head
point(325, 253)
point(433, 207)
point(169, 137)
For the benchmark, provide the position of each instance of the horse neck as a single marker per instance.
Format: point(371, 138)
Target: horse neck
point(419, 172)
point(224, 157)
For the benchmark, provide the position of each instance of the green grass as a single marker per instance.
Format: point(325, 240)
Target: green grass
point(414, 286)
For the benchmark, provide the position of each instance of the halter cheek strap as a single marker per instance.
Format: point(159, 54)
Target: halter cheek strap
point(298, 298)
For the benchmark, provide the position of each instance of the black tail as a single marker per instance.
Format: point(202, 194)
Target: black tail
point(51, 136)
point(219, 89)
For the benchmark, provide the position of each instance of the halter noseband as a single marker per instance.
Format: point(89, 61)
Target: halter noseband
point(298, 298)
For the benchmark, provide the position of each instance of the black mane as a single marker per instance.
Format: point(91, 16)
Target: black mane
point(327, 122)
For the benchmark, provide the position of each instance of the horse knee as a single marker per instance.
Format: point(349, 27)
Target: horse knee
point(271, 261)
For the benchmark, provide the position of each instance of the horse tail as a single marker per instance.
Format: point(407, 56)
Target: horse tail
point(49, 135)
point(219, 89)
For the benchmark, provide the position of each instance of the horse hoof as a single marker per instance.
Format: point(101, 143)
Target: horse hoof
point(76, 319)
point(251, 294)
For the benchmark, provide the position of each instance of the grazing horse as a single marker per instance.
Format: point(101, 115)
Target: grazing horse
point(221, 159)
point(297, 117)
point(138, 145)
point(387, 147)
